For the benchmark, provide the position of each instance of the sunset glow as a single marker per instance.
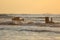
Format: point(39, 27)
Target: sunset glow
point(30, 6)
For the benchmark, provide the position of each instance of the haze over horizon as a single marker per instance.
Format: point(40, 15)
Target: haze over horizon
point(30, 6)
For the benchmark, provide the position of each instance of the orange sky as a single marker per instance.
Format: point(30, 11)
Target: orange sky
point(30, 6)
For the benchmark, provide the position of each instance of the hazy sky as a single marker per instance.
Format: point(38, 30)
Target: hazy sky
point(30, 6)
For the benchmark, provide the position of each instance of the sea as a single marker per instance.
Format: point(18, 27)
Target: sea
point(30, 32)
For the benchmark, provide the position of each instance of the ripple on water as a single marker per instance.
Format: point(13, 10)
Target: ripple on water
point(25, 35)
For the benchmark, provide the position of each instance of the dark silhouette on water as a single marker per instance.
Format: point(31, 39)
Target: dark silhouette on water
point(17, 20)
point(20, 21)
point(48, 21)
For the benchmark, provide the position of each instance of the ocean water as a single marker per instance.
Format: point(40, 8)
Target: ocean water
point(17, 32)
point(38, 17)
point(28, 32)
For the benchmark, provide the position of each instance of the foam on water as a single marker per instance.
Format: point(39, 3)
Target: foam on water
point(15, 32)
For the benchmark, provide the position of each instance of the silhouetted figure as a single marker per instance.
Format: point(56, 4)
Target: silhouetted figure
point(51, 20)
point(46, 19)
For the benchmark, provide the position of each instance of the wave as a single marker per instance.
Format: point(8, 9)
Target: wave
point(27, 30)
point(40, 31)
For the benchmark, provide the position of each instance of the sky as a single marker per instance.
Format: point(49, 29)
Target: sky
point(30, 6)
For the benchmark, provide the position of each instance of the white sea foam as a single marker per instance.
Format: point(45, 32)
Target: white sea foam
point(12, 32)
